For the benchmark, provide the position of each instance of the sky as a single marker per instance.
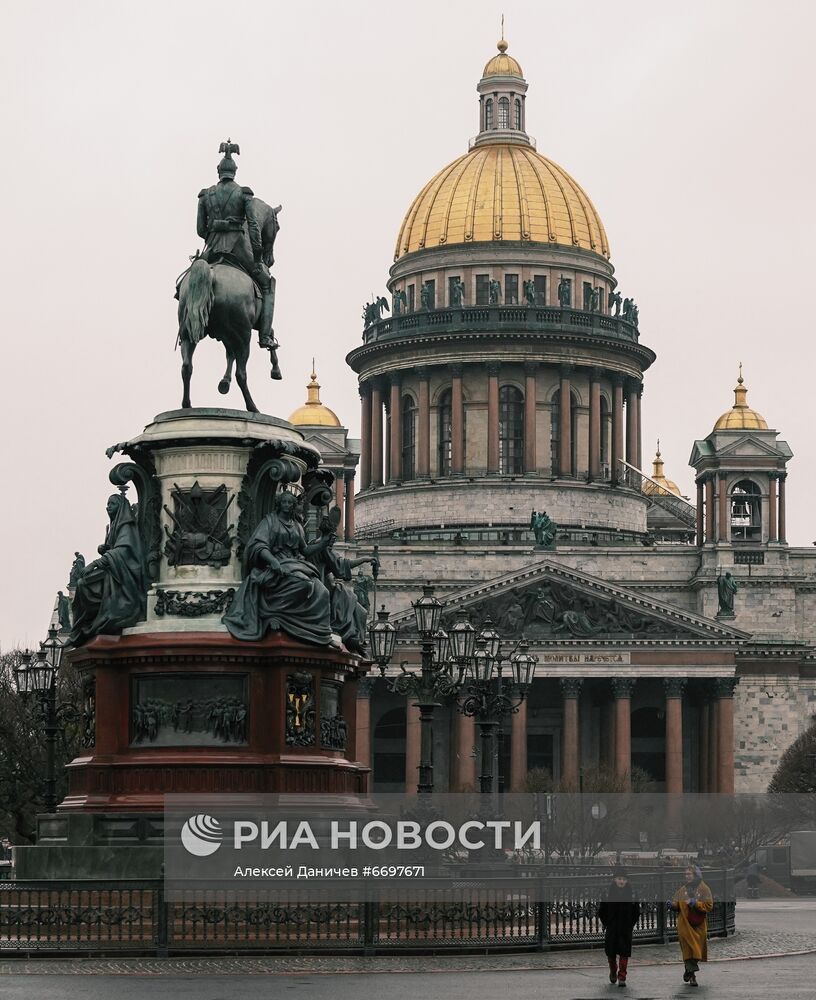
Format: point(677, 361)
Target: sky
point(689, 125)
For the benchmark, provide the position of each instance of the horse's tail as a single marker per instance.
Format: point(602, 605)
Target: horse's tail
point(195, 301)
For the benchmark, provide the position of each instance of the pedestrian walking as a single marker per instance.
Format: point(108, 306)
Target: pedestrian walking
point(618, 913)
point(692, 902)
point(753, 877)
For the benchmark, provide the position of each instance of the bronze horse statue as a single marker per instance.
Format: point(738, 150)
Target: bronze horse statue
point(219, 300)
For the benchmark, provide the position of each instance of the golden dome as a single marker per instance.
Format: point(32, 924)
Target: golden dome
point(313, 413)
point(502, 64)
point(501, 192)
point(741, 417)
point(659, 479)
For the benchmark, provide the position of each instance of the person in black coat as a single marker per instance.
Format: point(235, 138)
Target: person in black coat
point(618, 913)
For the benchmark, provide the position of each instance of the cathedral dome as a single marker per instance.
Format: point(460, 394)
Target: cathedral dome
point(741, 417)
point(502, 190)
point(499, 192)
point(313, 413)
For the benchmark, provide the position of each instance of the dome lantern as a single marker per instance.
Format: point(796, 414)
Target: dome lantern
point(502, 92)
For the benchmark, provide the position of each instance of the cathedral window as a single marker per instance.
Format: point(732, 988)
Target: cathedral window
point(517, 121)
point(488, 113)
point(511, 289)
point(504, 112)
point(444, 433)
point(511, 431)
point(746, 512)
point(411, 298)
point(409, 412)
point(555, 433)
point(482, 289)
point(540, 282)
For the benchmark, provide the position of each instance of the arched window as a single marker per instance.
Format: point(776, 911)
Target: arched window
point(488, 113)
point(511, 431)
point(555, 433)
point(408, 437)
point(746, 512)
point(517, 119)
point(444, 433)
point(605, 425)
point(504, 112)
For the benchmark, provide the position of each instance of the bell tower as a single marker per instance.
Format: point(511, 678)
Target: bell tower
point(741, 469)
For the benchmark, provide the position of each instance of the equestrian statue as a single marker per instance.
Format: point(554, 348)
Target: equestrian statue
point(229, 291)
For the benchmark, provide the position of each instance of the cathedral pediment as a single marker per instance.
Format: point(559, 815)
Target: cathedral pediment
point(548, 602)
point(750, 446)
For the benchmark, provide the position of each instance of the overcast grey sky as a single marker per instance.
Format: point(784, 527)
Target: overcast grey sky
point(690, 126)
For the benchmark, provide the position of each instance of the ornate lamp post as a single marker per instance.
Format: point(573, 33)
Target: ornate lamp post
point(37, 677)
point(434, 680)
point(487, 701)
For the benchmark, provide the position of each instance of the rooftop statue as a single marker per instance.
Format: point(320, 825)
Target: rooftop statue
point(111, 591)
point(564, 292)
point(372, 313)
point(727, 587)
point(229, 291)
point(400, 302)
point(544, 528)
point(530, 292)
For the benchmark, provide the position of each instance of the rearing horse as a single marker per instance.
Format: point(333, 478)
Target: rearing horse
point(220, 301)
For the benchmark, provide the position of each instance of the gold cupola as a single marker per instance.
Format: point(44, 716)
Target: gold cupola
point(659, 477)
point(741, 417)
point(502, 189)
point(313, 413)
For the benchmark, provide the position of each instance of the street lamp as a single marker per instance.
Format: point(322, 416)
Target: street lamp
point(479, 659)
point(382, 636)
point(462, 640)
point(37, 676)
point(488, 702)
point(434, 680)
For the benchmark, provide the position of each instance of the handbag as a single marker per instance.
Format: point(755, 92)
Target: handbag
point(694, 916)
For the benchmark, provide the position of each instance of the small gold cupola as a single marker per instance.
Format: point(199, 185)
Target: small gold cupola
point(313, 413)
point(659, 477)
point(741, 417)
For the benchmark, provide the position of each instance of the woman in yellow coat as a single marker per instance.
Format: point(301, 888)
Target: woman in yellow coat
point(692, 902)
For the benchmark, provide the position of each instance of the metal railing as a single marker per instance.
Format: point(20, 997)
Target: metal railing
point(503, 533)
point(135, 917)
point(491, 318)
point(684, 511)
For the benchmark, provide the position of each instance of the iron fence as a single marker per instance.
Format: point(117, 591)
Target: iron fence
point(135, 918)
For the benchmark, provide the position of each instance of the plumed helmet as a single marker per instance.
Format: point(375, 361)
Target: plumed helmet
point(228, 167)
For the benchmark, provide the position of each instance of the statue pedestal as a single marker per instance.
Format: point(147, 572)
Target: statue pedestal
point(175, 703)
point(202, 712)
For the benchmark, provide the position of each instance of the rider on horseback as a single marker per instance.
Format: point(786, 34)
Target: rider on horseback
point(232, 233)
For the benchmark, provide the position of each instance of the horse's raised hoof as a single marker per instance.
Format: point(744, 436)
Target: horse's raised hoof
point(276, 373)
point(224, 386)
point(186, 405)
